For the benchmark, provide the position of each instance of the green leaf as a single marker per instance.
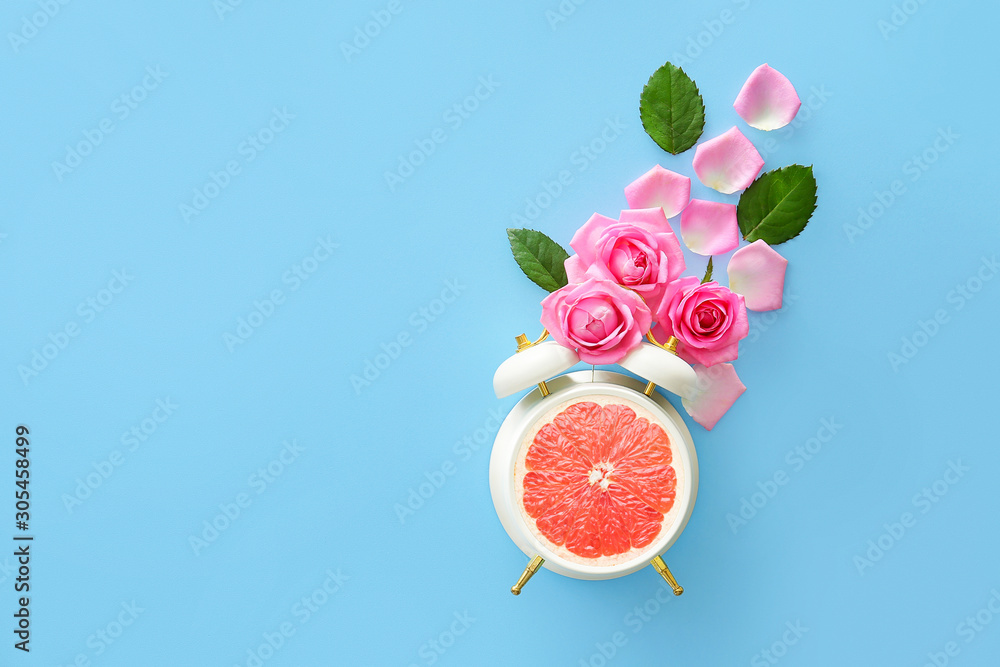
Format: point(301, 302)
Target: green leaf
point(539, 257)
point(778, 205)
point(672, 110)
point(708, 272)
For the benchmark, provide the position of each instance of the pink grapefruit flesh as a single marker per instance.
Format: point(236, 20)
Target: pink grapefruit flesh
point(599, 480)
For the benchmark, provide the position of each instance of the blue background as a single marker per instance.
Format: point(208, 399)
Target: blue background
point(852, 295)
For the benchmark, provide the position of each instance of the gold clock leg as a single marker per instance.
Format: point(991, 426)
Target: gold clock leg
point(665, 572)
point(528, 573)
point(650, 388)
point(544, 388)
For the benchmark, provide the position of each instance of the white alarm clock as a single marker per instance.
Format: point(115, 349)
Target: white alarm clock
point(593, 473)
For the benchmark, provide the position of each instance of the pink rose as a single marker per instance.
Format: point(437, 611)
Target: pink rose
point(599, 320)
point(639, 251)
point(708, 320)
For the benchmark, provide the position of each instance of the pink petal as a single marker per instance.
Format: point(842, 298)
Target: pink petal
point(710, 228)
point(661, 188)
point(708, 356)
point(713, 394)
point(576, 270)
point(585, 239)
point(768, 100)
point(653, 219)
point(728, 162)
point(757, 272)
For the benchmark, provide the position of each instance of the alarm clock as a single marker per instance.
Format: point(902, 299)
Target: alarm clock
point(593, 473)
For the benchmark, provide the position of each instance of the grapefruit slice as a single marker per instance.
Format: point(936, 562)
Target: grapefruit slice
point(598, 480)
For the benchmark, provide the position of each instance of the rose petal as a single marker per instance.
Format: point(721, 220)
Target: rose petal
point(709, 227)
point(768, 100)
point(653, 219)
point(708, 357)
point(757, 272)
point(661, 188)
point(576, 270)
point(713, 394)
point(727, 163)
point(585, 239)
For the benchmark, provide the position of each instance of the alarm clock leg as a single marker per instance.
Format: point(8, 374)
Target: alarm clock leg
point(665, 572)
point(528, 573)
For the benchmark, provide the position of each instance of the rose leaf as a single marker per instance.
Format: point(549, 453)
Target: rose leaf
point(777, 206)
point(672, 110)
point(539, 257)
